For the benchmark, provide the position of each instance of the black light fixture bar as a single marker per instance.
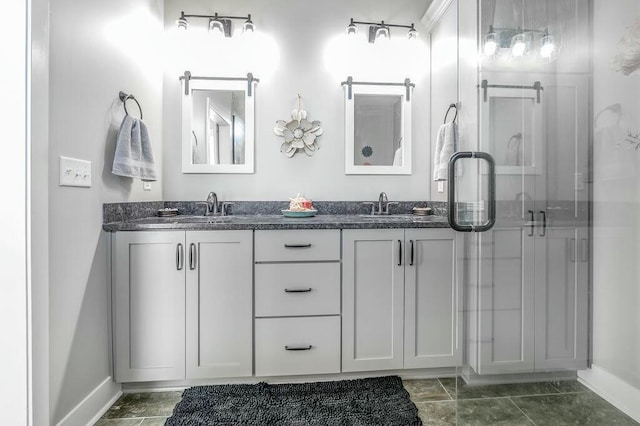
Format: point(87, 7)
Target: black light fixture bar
point(217, 16)
point(382, 24)
point(376, 27)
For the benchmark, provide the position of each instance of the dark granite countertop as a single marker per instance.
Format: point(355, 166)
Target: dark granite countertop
point(268, 221)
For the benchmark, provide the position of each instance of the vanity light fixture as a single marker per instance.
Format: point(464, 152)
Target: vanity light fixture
point(380, 30)
point(520, 42)
point(218, 24)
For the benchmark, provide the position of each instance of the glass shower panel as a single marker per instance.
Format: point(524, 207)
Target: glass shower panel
point(527, 278)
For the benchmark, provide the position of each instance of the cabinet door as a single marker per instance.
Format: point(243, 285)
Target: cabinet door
point(148, 305)
point(219, 304)
point(506, 302)
point(561, 299)
point(372, 299)
point(432, 335)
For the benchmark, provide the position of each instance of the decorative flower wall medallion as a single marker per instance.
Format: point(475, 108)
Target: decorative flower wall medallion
point(299, 134)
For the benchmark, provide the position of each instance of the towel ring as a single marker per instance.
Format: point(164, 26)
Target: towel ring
point(124, 97)
point(454, 106)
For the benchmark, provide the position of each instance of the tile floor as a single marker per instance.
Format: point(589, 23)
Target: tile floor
point(563, 403)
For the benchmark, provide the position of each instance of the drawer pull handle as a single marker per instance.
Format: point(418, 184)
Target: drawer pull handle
point(297, 245)
point(297, 290)
point(298, 348)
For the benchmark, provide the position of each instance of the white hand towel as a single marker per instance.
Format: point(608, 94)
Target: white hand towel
point(445, 146)
point(134, 157)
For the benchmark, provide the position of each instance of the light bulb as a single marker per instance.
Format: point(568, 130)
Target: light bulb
point(412, 34)
point(518, 46)
point(548, 46)
point(490, 44)
point(248, 27)
point(382, 34)
point(216, 27)
point(182, 22)
point(352, 29)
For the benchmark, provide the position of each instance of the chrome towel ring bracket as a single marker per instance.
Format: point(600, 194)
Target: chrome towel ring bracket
point(124, 97)
point(455, 107)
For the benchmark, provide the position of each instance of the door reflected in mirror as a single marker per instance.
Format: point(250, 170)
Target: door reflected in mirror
point(377, 130)
point(217, 126)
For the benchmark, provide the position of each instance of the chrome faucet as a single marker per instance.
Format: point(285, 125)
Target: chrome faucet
point(382, 201)
point(212, 204)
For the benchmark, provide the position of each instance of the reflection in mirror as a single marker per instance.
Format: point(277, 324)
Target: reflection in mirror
point(217, 126)
point(377, 130)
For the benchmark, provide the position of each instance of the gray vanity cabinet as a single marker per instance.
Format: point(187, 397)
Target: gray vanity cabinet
point(148, 306)
point(182, 304)
point(531, 316)
point(219, 317)
point(400, 299)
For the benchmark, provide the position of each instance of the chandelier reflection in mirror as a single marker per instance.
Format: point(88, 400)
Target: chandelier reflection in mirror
point(380, 31)
point(219, 25)
point(519, 43)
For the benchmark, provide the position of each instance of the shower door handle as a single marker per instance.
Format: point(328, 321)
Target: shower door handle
point(491, 210)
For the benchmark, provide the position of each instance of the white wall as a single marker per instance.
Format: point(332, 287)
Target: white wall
point(300, 36)
point(14, 362)
point(616, 213)
point(96, 49)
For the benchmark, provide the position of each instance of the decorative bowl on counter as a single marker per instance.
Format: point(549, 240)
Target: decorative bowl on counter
point(302, 213)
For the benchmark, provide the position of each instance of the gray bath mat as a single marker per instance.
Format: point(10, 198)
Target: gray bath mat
point(362, 402)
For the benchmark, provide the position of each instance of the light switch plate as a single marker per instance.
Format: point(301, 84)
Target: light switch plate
point(74, 172)
point(440, 186)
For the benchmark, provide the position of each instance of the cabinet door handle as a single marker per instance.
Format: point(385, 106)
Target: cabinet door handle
point(584, 250)
point(297, 290)
point(411, 253)
point(192, 256)
point(399, 252)
point(298, 347)
point(179, 257)
point(297, 245)
point(532, 221)
point(544, 223)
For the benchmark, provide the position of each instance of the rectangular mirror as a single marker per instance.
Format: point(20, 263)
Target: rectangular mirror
point(377, 130)
point(217, 127)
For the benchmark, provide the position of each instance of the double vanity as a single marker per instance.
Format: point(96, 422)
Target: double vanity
point(224, 297)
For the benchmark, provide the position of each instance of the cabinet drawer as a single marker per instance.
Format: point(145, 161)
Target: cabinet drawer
point(288, 346)
point(290, 289)
point(297, 245)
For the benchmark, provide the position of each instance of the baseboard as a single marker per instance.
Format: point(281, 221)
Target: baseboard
point(473, 379)
point(617, 392)
point(94, 405)
point(177, 385)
